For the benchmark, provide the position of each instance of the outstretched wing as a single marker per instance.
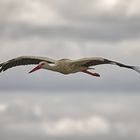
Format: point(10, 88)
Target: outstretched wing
point(93, 61)
point(24, 60)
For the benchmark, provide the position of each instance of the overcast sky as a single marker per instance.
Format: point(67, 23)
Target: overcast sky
point(73, 116)
point(48, 105)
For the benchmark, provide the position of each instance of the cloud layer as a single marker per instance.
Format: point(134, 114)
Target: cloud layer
point(79, 106)
point(60, 116)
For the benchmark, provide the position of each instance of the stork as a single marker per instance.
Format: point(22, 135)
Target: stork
point(64, 66)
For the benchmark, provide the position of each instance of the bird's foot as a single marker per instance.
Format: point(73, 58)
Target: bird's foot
point(90, 73)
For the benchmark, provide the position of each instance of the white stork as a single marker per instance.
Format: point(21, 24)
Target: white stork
point(64, 66)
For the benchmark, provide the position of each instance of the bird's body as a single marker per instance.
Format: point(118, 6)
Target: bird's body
point(64, 66)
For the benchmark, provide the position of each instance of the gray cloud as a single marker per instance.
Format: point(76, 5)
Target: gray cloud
point(98, 10)
point(47, 105)
point(60, 116)
point(93, 21)
point(98, 31)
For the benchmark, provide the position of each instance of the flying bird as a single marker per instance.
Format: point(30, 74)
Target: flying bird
point(64, 66)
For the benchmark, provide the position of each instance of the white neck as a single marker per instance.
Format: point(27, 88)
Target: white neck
point(49, 67)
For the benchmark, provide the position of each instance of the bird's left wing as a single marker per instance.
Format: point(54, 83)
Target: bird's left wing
point(24, 60)
point(92, 61)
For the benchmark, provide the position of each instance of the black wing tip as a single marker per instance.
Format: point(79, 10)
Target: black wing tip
point(136, 68)
point(1, 68)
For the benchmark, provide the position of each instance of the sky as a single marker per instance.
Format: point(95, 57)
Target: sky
point(63, 116)
point(50, 105)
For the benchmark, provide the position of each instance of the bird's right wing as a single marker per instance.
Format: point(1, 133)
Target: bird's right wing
point(24, 60)
point(92, 61)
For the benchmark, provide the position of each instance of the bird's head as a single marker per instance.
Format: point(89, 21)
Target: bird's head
point(39, 66)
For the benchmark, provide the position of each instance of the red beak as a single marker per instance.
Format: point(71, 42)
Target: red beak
point(35, 69)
